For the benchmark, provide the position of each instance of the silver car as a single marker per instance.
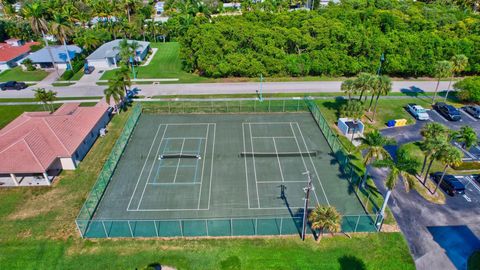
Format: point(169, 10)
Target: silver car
point(473, 110)
point(418, 112)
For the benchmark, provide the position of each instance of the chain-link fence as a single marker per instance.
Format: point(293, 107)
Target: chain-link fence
point(226, 106)
point(256, 226)
point(106, 173)
point(344, 161)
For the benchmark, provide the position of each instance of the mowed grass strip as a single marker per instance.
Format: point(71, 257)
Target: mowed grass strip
point(166, 63)
point(368, 251)
point(17, 74)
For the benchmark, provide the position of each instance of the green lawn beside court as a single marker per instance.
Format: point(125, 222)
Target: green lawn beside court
point(37, 231)
point(166, 63)
point(17, 74)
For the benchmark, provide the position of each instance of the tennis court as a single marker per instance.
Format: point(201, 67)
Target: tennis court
point(222, 175)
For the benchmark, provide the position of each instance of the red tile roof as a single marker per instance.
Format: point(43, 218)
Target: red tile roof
point(33, 141)
point(8, 52)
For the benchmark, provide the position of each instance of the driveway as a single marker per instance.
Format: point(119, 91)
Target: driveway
point(439, 236)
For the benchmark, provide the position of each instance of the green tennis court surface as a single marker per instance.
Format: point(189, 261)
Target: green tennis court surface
point(222, 174)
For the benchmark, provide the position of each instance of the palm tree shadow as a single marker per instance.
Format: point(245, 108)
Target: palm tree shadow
point(416, 92)
point(350, 262)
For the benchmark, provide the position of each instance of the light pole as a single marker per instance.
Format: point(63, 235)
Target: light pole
point(382, 59)
point(260, 95)
point(307, 190)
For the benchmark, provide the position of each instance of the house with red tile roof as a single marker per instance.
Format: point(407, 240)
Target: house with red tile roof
point(36, 146)
point(13, 51)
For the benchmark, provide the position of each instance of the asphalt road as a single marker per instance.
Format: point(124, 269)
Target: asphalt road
point(225, 88)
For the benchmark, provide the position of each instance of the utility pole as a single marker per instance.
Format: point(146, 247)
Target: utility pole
point(307, 190)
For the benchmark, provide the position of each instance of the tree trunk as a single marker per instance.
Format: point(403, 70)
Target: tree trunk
point(365, 176)
point(436, 89)
point(428, 170)
point(371, 102)
point(375, 107)
point(68, 55)
point(50, 53)
point(424, 164)
point(385, 202)
point(361, 96)
point(448, 88)
point(441, 179)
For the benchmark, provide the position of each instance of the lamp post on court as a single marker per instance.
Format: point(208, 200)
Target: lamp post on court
point(307, 190)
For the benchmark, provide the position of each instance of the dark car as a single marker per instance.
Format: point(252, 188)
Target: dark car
point(89, 70)
point(476, 177)
point(450, 184)
point(13, 85)
point(448, 111)
point(473, 110)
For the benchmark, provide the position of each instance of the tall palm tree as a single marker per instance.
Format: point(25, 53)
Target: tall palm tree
point(435, 135)
point(363, 84)
point(467, 136)
point(115, 91)
point(459, 63)
point(443, 69)
point(61, 28)
point(374, 143)
point(125, 51)
point(123, 76)
point(450, 156)
point(348, 87)
point(352, 109)
point(34, 13)
point(403, 168)
point(46, 97)
point(325, 217)
point(384, 88)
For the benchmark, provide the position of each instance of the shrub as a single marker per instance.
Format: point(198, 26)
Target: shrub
point(469, 89)
point(29, 64)
point(67, 75)
point(35, 48)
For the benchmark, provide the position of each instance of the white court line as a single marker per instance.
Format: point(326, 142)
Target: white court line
point(178, 163)
point(188, 124)
point(178, 183)
point(153, 165)
point(270, 182)
point(186, 138)
point(144, 164)
point(183, 166)
point(165, 210)
point(303, 159)
point(278, 159)
point(203, 166)
point(268, 123)
point(246, 168)
point(468, 115)
point(311, 161)
point(276, 137)
point(254, 167)
point(211, 167)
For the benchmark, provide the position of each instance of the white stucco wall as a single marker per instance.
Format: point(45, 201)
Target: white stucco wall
point(98, 63)
point(68, 164)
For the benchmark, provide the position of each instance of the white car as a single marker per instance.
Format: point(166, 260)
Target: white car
point(418, 112)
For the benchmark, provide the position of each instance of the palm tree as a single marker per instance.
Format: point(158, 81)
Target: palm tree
point(61, 29)
point(374, 143)
point(363, 83)
point(34, 13)
point(442, 69)
point(125, 51)
point(384, 87)
point(450, 156)
point(348, 86)
point(403, 168)
point(325, 217)
point(88, 40)
point(46, 97)
point(435, 136)
point(122, 75)
point(467, 136)
point(459, 63)
point(115, 91)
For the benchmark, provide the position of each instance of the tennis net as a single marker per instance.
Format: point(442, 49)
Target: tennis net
point(179, 155)
point(279, 154)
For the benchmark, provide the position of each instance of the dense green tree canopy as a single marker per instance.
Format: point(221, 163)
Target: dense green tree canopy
point(342, 39)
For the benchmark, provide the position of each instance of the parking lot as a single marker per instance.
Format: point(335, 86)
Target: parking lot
point(472, 190)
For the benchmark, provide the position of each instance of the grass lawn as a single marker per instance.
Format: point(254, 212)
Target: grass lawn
point(37, 231)
point(17, 74)
point(474, 261)
point(9, 113)
point(166, 63)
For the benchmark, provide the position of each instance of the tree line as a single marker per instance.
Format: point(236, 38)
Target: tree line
point(337, 40)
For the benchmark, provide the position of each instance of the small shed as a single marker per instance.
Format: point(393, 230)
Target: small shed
point(350, 127)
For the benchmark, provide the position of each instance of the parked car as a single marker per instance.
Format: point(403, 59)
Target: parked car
point(450, 184)
point(418, 112)
point(448, 111)
point(89, 70)
point(476, 177)
point(13, 85)
point(473, 110)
